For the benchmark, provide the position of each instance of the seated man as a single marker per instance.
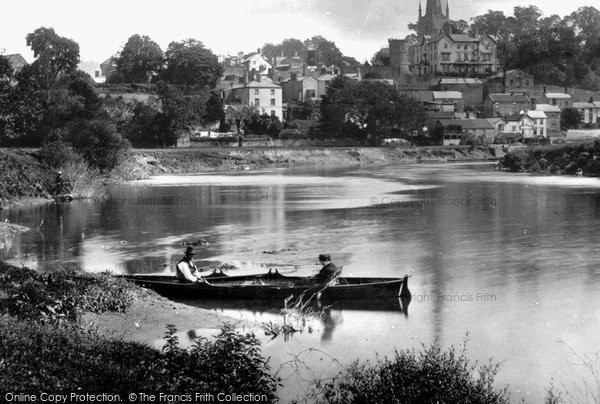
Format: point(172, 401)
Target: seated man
point(186, 267)
point(328, 272)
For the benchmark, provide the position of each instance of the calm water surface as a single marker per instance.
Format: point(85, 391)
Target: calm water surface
point(512, 260)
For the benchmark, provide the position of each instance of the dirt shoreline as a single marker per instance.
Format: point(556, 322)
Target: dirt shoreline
point(146, 320)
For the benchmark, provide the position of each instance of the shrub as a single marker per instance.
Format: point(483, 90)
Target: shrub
point(60, 295)
point(56, 154)
point(36, 358)
point(99, 143)
point(431, 375)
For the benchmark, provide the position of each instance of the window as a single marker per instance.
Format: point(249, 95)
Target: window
point(311, 93)
point(553, 124)
point(272, 92)
point(272, 102)
point(257, 102)
point(256, 91)
point(445, 46)
point(272, 113)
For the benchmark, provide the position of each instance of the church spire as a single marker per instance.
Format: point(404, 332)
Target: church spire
point(448, 9)
point(420, 10)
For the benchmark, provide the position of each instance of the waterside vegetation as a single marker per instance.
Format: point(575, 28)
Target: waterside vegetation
point(555, 159)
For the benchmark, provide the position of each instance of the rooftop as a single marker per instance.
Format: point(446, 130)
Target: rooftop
point(447, 94)
point(583, 105)
point(547, 108)
point(563, 96)
point(499, 97)
point(460, 80)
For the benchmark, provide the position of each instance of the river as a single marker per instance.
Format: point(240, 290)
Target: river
point(508, 261)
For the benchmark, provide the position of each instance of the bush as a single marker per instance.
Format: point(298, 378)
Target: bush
point(56, 154)
point(428, 376)
point(36, 358)
point(99, 143)
point(60, 295)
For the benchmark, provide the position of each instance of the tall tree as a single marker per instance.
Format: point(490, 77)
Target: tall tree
point(140, 59)
point(327, 51)
point(190, 63)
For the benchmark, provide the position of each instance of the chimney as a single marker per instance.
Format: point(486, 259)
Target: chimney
point(294, 76)
point(245, 77)
point(359, 74)
point(304, 70)
point(253, 76)
point(296, 53)
point(258, 50)
point(544, 89)
point(258, 77)
point(533, 104)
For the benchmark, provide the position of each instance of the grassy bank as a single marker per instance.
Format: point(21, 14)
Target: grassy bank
point(149, 162)
point(555, 159)
point(29, 176)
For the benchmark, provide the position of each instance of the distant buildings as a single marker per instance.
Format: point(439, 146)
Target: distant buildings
point(502, 105)
point(260, 93)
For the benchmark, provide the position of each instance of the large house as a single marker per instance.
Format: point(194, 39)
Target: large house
point(501, 105)
point(260, 93)
point(454, 54)
point(300, 89)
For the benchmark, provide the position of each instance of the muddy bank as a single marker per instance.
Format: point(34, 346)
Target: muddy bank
point(150, 162)
point(146, 319)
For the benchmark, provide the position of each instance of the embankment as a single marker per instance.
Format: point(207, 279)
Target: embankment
point(170, 161)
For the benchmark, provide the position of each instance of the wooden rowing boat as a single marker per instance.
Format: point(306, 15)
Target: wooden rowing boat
point(274, 285)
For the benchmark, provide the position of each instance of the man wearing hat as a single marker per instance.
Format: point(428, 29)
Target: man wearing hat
point(329, 270)
point(186, 268)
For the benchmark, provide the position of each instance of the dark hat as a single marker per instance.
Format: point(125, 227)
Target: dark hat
point(324, 257)
point(190, 251)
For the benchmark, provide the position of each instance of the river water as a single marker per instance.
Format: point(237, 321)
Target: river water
point(508, 261)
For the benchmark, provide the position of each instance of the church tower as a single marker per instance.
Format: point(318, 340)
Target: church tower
point(432, 23)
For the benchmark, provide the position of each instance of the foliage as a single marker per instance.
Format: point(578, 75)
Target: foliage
point(264, 124)
point(369, 110)
point(22, 177)
point(66, 359)
point(570, 118)
point(565, 158)
point(55, 154)
point(50, 93)
point(190, 63)
point(99, 143)
point(6, 70)
point(431, 375)
point(60, 295)
point(139, 60)
point(380, 59)
point(214, 109)
point(327, 51)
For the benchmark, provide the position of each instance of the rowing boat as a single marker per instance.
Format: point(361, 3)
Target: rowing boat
point(274, 285)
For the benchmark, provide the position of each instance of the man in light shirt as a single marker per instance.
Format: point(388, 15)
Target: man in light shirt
point(186, 267)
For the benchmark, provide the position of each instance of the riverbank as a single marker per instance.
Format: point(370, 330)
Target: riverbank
point(25, 180)
point(560, 159)
point(151, 162)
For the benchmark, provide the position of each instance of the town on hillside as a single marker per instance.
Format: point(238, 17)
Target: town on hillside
point(488, 82)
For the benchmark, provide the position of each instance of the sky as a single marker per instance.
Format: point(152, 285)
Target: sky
point(358, 27)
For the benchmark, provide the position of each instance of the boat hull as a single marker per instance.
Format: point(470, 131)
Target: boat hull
point(274, 286)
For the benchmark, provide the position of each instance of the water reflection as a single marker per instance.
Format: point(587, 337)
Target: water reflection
point(531, 242)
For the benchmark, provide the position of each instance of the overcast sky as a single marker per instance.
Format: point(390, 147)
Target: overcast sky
point(358, 27)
